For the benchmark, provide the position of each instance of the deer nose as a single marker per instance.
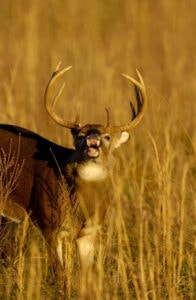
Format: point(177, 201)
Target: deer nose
point(93, 140)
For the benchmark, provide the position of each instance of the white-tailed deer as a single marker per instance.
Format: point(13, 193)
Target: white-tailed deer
point(51, 183)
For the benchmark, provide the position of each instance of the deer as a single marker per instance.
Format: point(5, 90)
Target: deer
point(47, 182)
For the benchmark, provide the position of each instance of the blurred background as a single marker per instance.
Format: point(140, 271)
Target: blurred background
point(149, 251)
point(101, 39)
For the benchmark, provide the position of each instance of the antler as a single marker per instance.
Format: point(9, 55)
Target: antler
point(50, 106)
point(140, 91)
point(141, 98)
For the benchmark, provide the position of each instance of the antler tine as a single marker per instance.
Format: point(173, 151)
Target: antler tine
point(141, 98)
point(108, 117)
point(49, 106)
point(77, 120)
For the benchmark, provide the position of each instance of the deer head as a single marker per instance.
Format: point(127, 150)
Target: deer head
point(91, 140)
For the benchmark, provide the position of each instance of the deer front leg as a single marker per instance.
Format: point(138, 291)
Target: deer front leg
point(86, 249)
point(86, 243)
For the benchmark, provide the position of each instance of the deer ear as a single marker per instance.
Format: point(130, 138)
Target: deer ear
point(123, 139)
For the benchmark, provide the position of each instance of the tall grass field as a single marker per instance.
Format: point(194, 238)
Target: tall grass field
point(146, 248)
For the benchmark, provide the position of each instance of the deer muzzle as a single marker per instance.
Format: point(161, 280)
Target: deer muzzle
point(93, 143)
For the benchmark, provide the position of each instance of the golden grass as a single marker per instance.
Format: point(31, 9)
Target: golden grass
point(148, 239)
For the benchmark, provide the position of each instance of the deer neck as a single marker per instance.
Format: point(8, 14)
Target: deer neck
point(93, 170)
point(92, 191)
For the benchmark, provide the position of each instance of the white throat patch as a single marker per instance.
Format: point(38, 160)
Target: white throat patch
point(92, 172)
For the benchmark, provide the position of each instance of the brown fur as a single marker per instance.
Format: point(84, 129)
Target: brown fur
point(51, 190)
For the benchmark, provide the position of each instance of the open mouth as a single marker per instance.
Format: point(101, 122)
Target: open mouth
point(93, 144)
point(93, 151)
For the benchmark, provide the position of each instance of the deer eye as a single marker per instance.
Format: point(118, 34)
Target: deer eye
point(107, 137)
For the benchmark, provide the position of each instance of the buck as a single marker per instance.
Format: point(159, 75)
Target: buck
point(52, 184)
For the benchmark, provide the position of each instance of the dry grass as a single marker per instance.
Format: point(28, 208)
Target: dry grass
point(148, 240)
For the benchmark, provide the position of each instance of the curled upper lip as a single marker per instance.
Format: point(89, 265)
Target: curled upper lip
point(94, 143)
